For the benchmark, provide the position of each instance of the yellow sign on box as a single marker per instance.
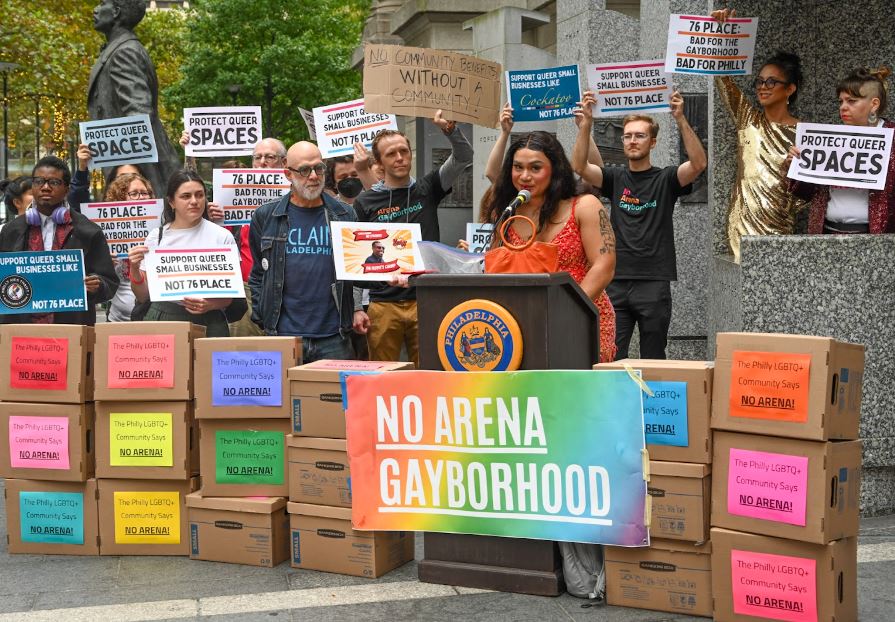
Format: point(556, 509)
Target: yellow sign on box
point(147, 517)
point(141, 439)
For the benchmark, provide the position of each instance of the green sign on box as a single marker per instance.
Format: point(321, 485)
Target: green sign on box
point(249, 457)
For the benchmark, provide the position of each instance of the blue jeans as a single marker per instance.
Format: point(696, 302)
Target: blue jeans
point(333, 347)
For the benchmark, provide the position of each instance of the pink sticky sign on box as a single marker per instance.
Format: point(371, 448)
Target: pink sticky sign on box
point(38, 443)
point(141, 362)
point(38, 363)
point(776, 587)
point(767, 486)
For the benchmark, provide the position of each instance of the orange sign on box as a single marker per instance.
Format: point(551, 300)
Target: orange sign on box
point(770, 385)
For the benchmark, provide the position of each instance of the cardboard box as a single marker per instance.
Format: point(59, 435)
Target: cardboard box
point(146, 440)
point(238, 531)
point(666, 576)
point(46, 441)
point(319, 471)
point(53, 518)
point(676, 418)
point(244, 377)
point(801, 490)
point(322, 539)
point(788, 385)
point(243, 457)
point(680, 495)
point(761, 578)
point(143, 517)
point(145, 361)
point(49, 363)
point(316, 391)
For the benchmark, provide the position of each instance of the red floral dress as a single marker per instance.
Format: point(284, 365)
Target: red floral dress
point(573, 259)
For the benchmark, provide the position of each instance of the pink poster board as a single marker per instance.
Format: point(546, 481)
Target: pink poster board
point(768, 486)
point(38, 443)
point(140, 362)
point(38, 363)
point(776, 587)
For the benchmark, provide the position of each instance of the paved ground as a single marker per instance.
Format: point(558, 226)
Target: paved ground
point(70, 589)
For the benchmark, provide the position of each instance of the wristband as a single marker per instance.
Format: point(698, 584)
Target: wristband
point(135, 282)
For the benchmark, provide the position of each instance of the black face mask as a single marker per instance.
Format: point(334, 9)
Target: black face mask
point(350, 187)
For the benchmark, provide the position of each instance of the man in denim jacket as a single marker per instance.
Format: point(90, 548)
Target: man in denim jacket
point(293, 278)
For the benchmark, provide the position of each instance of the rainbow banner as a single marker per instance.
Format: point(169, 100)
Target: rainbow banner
point(550, 455)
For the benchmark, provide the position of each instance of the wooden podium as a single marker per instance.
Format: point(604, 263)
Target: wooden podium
point(560, 330)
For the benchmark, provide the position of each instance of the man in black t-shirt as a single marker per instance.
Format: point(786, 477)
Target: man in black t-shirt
point(642, 199)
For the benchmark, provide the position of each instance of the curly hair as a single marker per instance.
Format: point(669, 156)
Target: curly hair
point(117, 190)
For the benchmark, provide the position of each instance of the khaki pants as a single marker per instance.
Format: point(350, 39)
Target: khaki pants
point(245, 327)
point(392, 325)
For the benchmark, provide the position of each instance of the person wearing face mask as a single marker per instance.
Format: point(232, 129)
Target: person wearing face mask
point(348, 176)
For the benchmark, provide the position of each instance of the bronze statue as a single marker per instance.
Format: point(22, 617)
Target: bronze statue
point(123, 82)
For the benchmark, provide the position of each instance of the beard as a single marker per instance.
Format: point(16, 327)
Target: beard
point(308, 194)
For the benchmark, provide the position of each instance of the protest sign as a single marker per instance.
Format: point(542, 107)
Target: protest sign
point(124, 140)
point(703, 45)
point(543, 94)
point(308, 116)
point(478, 235)
point(125, 223)
point(417, 81)
point(222, 131)
point(341, 125)
point(622, 88)
point(551, 455)
point(842, 155)
point(42, 282)
point(355, 250)
point(239, 191)
point(178, 273)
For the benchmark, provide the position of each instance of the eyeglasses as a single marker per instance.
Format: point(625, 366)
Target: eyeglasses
point(139, 194)
point(769, 83)
point(266, 157)
point(639, 136)
point(305, 171)
point(37, 182)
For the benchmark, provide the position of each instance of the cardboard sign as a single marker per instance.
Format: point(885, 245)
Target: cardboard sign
point(842, 155)
point(222, 131)
point(354, 250)
point(246, 378)
point(341, 125)
point(140, 362)
point(249, 457)
point(123, 140)
point(665, 414)
point(416, 82)
point(702, 45)
point(38, 443)
point(51, 517)
point(178, 273)
point(125, 223)
point(39, 363)
point(42, 282)
point(543, 94)
point(770, 385)
point(774, 587)
point(478, 234)
point(308, 117)
point(240, 191)
point(146, 517)
point(498, 454)
point(637, 86)
point(141, 439)
point(767, 486)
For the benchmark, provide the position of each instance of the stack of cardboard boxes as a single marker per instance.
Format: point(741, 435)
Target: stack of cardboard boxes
point(787, 477)
point(320, 479)
point(674, 573)
point(243, 409)
point(46, 438)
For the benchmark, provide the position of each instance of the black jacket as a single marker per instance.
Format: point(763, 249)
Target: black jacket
point(85, 235)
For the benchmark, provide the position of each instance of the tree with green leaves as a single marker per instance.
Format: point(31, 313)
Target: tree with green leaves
point(279, 54)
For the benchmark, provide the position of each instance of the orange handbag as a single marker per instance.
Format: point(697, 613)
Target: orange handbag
point(530, 257)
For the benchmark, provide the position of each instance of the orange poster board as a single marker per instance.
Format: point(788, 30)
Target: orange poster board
point(770, 385)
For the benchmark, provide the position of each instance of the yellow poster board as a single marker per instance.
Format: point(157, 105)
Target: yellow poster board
point(147, 517)
point(141, 439)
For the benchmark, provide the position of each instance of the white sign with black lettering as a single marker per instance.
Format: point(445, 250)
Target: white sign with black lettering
point(125, 223)
point(703, 45)
point(177, 273)
point(124, 140)
point(241, 190)
point(222, 131)
point(478, 235)
point(341, 125)
point(842, 155)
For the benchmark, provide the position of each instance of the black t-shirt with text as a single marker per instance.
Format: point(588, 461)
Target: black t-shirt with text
point(642, 205)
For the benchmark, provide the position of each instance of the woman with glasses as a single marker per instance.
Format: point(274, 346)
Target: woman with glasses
point(760, 202)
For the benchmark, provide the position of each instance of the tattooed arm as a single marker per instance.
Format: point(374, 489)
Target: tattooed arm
point(599, 244)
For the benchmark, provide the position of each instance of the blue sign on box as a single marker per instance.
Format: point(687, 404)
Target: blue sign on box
point(52, 517)
point(665, 414)
point(42, 282)
point(246, 378)
point(543, 94)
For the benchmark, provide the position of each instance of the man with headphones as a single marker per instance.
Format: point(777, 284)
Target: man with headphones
point(49, 224)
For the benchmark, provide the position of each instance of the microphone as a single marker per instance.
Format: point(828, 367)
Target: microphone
point(523, 197)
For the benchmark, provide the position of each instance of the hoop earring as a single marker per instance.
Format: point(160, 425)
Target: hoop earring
point(873, 119)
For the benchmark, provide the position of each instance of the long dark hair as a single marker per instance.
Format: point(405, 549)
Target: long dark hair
point(177, 179)
point(562, 182)
point(791, 66)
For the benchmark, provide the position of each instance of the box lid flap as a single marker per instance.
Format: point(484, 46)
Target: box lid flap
point(325, 511)
point(310, 442)
point(256, 505)
point(679, 469)
point(704, 548)
point(656, 364)
point(328, 370)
